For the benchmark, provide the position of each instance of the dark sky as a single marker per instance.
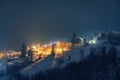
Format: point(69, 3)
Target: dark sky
point(34, 21)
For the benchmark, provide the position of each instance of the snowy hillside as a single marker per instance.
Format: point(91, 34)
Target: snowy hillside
point(40, 65)
point(77, 53)
point(50, 62)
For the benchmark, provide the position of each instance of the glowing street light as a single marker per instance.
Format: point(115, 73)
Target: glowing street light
point(92, 41)
point(33, 47)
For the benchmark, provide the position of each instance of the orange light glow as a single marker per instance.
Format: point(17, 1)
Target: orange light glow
point(41, 51)
point(45, 50)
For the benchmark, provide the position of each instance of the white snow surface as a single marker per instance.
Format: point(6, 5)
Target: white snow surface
point(38, 66)
point(74, 55)
point(51, 62)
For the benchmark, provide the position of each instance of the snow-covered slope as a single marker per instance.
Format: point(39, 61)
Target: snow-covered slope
point(74, 55)
point(40, 65)
point(51, 62)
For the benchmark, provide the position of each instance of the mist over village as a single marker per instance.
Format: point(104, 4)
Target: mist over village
point(59, 40)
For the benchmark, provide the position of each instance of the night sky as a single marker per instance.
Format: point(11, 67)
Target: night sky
point(33, 21)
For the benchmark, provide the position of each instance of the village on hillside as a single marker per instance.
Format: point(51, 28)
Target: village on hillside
point(31, 54)
point(35, 58)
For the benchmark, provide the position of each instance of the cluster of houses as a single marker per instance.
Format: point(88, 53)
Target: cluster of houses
point(23, 60)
